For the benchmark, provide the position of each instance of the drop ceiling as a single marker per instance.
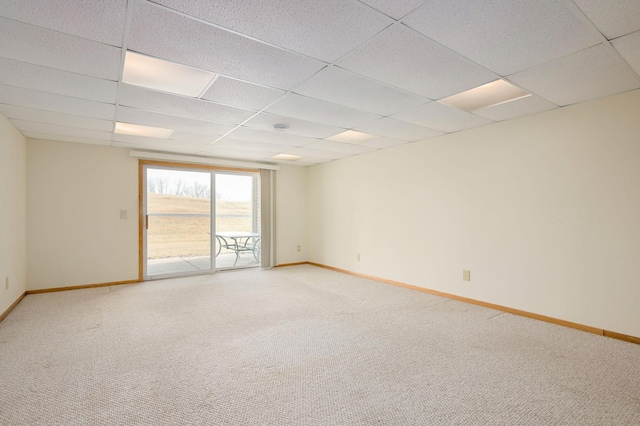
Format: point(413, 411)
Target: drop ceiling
point(320, 68)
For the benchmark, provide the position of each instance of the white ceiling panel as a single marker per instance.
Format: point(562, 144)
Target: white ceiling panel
point(156, 142)
point(241, 94)
point(324, 29)
point(189, 125)
point(101, 21)
point(340, 147)
point(26, 43)
point(614, 18)
point(266, 121)
point(390, 128)
point(30, 76)
point(52, 102)
point(403, 58)
point(505, 36)
point(247, 134)
point(629, 47)
point(249, 145)
point(441, 117)
point(52, 129)
point(305, 108)
point(240, 154)
point(382, 143)
point(164, 34)
point(394, 8)
point(317, 153)
point(589, 74)
point(192, 137)
point(60, 138)
point(167, 103)
point(518, 108)
point(342, 87)
point(50, 117)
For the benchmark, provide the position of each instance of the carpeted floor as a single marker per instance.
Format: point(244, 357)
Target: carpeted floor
point(301, 346)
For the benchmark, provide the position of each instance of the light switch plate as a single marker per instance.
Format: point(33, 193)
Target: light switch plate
point(466, 275)
point(123, 214)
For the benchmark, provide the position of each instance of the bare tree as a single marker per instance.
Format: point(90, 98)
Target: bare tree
point(198, 190)
point(179, 187)
point(158, 185)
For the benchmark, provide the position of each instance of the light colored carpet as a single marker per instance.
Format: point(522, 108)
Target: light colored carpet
point(301, 346)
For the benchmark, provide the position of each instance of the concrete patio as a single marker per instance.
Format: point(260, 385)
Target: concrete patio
point(179, 265)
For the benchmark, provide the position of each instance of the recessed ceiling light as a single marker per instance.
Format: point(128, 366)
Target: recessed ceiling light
point(280, 127)
point(137, 130)
point(351, 136)
point(488, 95)
point(286, 157)
point(157, 74)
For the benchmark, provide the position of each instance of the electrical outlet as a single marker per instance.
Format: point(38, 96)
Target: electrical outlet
point(466, 275)
point(6, 283)
point(123, 214)
point(299, 248)
point(358, 257)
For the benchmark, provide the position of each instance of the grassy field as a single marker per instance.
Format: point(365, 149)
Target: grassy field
point(173, 236)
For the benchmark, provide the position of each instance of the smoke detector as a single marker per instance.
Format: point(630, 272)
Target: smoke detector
point(280, 127)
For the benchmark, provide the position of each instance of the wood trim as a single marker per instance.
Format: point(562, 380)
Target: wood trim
point(140, 219)
point(196, 166)
point(13, 305)
point(282, 265)
point(582, 327)
point(620, 336)
point(78, 287)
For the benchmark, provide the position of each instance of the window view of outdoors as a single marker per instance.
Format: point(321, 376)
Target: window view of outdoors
point(179, 228)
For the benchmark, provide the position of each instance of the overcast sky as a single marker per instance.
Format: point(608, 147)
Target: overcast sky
point(231, 187)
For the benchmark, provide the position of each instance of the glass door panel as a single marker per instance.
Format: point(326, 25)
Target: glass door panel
point(178, 221)
point(237, 221)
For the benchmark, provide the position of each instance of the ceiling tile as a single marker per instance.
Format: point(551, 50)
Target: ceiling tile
point(181, 106)
point(164, 34)
point(441, 117)
point(505, 36)
point(189, 125)
point(45, 136)
point(525, 106)
point(192, 137)
point(29, 76)
point(614, 18)
point(324, 29)
point(52, 129)
point(629, 47)
point(318, 153)
point(391, 128)
point(302, 107)
point(249, 145)
point(246, 134)
point(394, 8)
point(52, 102)
point(266, 121)
point(26, 43)
point(403, 58)
point(101, 21)
point(241, 94)
point(340, 147)
point(50, 117)
point(383, 142)
point(589, 74)
point(342, 87)
point(156, 142)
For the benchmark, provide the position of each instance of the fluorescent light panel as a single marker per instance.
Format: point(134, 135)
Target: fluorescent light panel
point(157, 74)
point(286, 157)
point(138, 130)
point(488, 95)
point(351, 136)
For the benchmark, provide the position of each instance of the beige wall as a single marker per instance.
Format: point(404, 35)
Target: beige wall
point(544, 211)
point(75, 194)
point(291, 214)
point(75, 234)
point(13, 187)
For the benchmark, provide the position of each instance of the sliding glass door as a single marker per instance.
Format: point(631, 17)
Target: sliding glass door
point(190, 228)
